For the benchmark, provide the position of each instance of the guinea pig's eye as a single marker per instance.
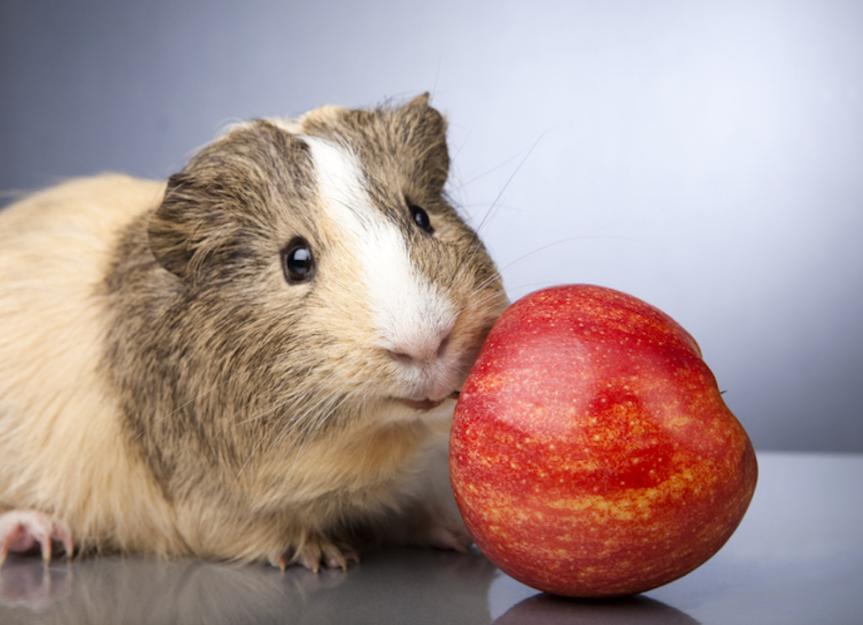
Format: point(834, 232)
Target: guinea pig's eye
point(421, 218)
point(297, 261)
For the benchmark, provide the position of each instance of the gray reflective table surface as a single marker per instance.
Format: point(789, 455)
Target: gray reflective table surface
point(796, 558)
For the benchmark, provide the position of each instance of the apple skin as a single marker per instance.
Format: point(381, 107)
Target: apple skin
point(591, 452)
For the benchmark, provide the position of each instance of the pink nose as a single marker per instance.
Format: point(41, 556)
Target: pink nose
point(421, 352)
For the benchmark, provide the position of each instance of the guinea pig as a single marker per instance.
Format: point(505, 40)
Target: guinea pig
point(255, 360)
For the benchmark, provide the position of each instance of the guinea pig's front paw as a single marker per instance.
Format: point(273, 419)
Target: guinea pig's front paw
point(316, 552)
point(21, 530)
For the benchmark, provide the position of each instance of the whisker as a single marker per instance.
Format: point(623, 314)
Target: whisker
point(542, 248)
point(463, 143)
point(541, 285)
point(508, 181)
point(491, 170)
point(436, 74)
point(553, 244)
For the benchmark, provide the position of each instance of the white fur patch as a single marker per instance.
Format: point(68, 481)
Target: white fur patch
point(410, 314)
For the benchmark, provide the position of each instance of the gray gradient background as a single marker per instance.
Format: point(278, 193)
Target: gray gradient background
point(705, 157)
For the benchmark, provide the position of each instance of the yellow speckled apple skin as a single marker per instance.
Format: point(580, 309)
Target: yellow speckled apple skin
point(591, 452)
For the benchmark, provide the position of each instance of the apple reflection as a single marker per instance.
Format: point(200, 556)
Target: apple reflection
point(545, 609)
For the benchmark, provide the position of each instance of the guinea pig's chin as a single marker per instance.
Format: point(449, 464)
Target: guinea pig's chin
point(400, 410)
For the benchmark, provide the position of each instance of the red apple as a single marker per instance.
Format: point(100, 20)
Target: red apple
point(591, 452)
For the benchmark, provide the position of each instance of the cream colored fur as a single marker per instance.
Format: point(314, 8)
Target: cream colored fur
point(61, 449)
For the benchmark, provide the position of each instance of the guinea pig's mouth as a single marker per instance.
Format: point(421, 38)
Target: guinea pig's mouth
point(424, 404)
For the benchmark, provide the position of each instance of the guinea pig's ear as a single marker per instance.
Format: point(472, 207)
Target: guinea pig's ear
point(423, 129)
point(223, 196)
point(185, 226)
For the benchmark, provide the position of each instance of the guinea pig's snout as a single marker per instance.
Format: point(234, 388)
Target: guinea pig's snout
point(421, 350)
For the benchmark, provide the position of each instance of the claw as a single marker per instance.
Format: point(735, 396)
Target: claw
point(62, 533)
point(280, 561)
point(21, 530)
point(315, 553)
point(339, 557)
point(310, 556)
point(334, 558)
point(45, 544)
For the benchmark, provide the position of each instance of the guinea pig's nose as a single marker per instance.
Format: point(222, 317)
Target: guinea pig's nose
point(421, 352)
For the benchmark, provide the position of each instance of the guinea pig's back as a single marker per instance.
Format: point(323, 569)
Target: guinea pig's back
point(59, 432)
point(55, 249)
